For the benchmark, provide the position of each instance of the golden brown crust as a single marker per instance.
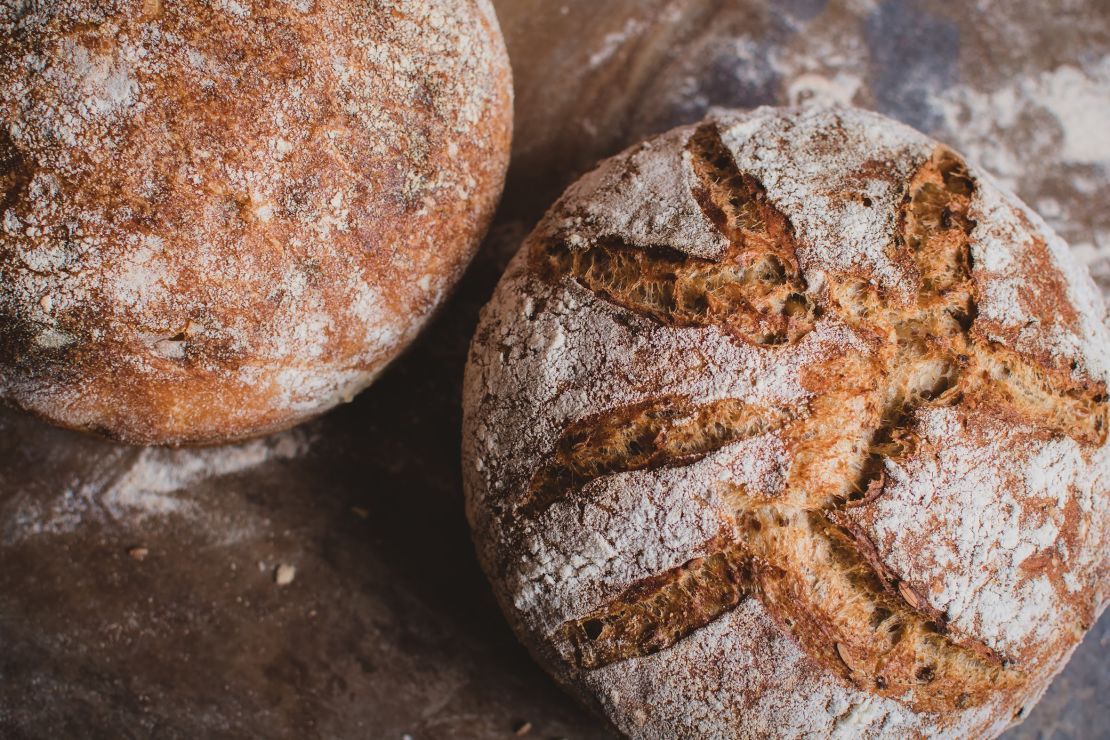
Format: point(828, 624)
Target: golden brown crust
point(691, 479)
point(218, 220)
point(820, 583)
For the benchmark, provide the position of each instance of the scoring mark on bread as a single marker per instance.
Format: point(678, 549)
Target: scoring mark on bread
point(841, 607)
point(755, 292)
point(816, 573)
point(658, 433)
point(659, 611)
point(999, 377)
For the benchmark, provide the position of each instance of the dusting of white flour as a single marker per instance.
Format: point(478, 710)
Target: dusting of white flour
point(129, 486)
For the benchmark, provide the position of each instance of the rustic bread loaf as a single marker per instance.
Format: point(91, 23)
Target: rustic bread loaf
point(218, 219)
point(791, 423)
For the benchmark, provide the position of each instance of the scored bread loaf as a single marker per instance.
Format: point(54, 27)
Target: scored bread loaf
point(219, 219)
point(793, 423)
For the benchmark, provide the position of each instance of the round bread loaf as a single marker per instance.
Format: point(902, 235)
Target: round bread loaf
point(793, 423)
point(219, 219)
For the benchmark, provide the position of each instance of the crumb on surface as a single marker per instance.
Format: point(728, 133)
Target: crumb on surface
point(284, 574)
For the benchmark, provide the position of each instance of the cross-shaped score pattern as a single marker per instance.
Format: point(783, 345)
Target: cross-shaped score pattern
point(815, 573)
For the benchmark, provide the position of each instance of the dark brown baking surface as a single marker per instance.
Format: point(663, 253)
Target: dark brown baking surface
point(388, 627)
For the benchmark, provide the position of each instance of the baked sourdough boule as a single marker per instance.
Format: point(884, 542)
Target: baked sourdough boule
point(219, 219)
point(793, 423)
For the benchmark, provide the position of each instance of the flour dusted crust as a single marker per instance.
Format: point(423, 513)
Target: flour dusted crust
point(218, 219)
point(793, 422)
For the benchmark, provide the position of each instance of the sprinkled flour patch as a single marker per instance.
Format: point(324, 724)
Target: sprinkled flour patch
point(130, 487)
point(809, 175)
point(613, 41)
point(1076, 101)
point(1004, 501)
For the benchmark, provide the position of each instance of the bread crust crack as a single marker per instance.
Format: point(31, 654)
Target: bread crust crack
point(755, 292)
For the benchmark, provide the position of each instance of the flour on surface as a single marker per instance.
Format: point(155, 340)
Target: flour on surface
point(129, 487)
